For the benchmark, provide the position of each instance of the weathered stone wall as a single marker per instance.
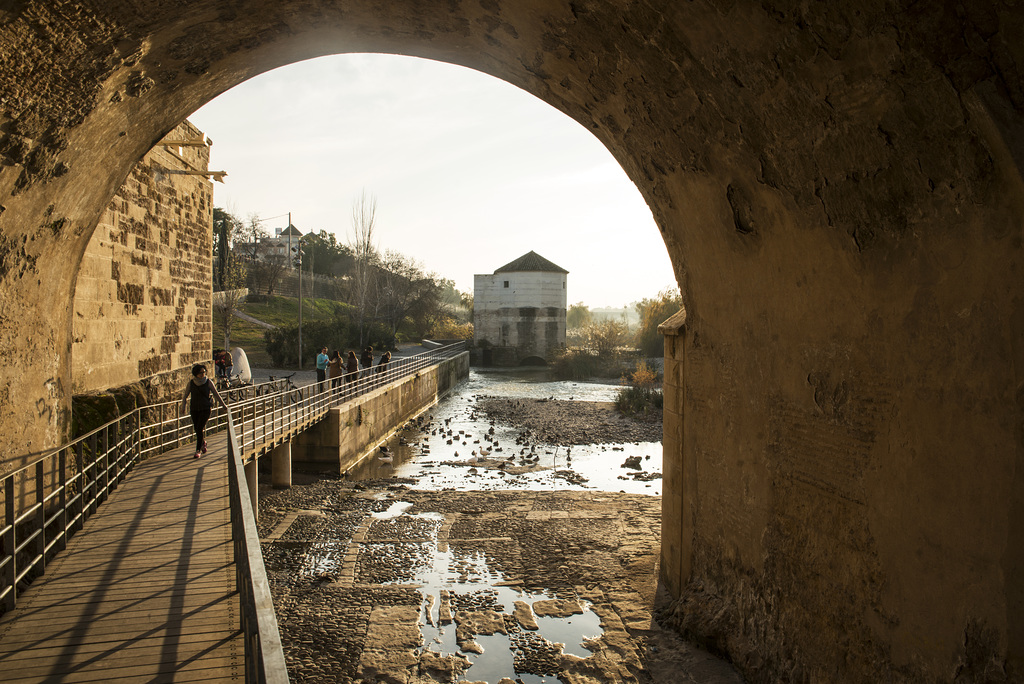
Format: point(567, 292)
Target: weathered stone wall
point(142, 307)
point(839, 188)
point(528, 316)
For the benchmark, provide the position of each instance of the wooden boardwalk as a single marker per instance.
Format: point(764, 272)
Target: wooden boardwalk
point(145, 592)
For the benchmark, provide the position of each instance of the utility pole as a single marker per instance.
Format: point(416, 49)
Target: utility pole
point(298, 249)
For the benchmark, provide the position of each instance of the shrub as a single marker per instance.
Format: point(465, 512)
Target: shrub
point(641, 393)
point(575, 364)
point(282, 344)
point(448, 328)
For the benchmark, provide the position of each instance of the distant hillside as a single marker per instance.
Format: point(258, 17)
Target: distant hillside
point(276, 311)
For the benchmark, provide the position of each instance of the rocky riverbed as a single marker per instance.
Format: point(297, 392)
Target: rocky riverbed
point(566, 422)
point(499, 539)
point(381, 583)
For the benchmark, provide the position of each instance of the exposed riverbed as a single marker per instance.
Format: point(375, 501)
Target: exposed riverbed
point(516, 430)
point(498, 539)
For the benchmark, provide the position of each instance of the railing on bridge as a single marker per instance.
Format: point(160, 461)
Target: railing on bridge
point(266, 415)
point(59, 490)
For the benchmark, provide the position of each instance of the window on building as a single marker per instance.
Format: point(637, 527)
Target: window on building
point(506, 283)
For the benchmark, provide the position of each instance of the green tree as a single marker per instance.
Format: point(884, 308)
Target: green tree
point(230, 296)
point(225, 229)
point(323, 254)
point(578, 316)
point(654, 312)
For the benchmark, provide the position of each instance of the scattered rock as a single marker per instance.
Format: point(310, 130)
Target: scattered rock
point(559, 608)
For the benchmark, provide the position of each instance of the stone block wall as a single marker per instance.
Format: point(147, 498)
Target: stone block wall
point(527, 314)
point(142, 305)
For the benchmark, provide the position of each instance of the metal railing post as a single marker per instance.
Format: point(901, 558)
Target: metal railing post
point(62, 516)
point(41, 517)
point(10, 544)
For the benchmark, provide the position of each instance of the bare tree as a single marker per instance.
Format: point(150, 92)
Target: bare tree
point(403, 286)
point(250, 243)
point(366, 259)
point(267, 272)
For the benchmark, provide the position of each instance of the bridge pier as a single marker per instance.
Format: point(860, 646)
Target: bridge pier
point(281, 466)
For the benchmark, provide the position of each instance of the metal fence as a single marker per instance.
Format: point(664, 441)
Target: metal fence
point(48, 500)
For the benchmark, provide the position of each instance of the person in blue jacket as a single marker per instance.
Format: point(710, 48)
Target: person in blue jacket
point(321, 368)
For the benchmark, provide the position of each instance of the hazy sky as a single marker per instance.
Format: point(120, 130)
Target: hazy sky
point(469, 172)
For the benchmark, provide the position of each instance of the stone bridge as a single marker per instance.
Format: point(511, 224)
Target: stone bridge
point(838, 185)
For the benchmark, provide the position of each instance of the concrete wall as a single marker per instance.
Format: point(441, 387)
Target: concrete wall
point(142, 306)
point(527, 315)
point(349, 430)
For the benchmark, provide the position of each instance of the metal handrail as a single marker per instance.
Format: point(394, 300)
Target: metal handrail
point(66, 485)
point(264, 654)
point(291, 410)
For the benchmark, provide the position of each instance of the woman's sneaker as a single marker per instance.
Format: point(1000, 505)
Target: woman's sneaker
point(198, 454)
point(203, 450)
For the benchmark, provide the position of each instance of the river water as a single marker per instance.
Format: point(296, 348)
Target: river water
point(421, 452)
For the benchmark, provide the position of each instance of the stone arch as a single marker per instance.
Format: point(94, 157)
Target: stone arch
point(838, 185)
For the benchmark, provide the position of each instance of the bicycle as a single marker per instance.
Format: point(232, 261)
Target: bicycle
point(232, 382)
point(294, 394)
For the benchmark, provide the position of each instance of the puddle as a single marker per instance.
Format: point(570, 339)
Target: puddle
point(453, 580)
point(395, 510)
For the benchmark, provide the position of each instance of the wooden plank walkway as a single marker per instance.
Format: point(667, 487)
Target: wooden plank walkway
point(145, 592)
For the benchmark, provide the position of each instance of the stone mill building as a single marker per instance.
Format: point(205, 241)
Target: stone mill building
point(519, 311)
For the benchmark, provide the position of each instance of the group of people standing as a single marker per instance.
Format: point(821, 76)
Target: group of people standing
point(348, 368)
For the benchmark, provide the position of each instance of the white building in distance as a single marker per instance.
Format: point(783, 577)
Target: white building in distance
point(519, 311)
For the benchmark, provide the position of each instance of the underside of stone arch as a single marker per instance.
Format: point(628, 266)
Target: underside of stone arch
point(838, 185)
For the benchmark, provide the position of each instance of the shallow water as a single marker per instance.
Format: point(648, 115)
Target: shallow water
point(468, 578)
point(435, 464)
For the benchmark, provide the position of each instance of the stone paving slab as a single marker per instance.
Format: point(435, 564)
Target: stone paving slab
point(491, 595)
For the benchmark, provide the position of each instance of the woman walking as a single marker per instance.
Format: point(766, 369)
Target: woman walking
point(203, 392)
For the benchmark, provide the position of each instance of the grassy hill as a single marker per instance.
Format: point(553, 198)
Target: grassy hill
point(277, 311)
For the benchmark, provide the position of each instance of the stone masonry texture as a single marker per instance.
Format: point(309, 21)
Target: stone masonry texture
point(142, 307)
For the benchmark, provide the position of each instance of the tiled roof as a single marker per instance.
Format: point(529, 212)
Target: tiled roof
point(531, 261)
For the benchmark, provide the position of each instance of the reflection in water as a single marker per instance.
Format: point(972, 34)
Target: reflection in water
point(467, 580)
point(435, 464)
point(453, 579)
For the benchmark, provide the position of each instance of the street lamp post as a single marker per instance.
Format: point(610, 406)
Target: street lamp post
point(298, 250)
